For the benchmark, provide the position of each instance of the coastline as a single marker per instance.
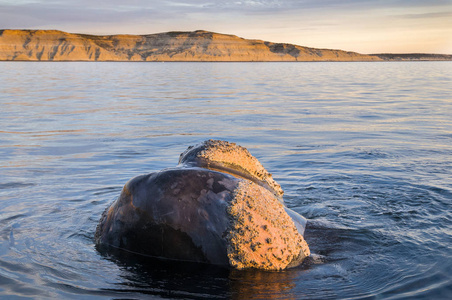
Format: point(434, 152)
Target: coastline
point(195, 46)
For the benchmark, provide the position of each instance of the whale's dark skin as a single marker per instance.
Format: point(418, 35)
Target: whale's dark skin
point(176, 213)
point(187, 213)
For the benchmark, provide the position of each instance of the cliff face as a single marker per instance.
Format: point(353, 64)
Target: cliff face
point(52, 45)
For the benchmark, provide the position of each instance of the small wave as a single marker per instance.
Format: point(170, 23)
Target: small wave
point(15, 185)
point(430, 284)
point(370, 153)
point(106, 190)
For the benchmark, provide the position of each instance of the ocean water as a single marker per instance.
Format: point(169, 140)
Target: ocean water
point(362, 150)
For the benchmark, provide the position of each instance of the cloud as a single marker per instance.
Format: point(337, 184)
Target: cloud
point(356, 25)
point(429, 15)
point(36, 14)
point(48, 11)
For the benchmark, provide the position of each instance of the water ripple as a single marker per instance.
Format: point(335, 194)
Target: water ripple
point(361, 149)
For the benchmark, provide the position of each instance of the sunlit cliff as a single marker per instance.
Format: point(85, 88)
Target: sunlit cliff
point(53, 45)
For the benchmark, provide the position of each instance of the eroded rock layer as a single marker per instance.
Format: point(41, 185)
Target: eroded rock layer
point(53, 45)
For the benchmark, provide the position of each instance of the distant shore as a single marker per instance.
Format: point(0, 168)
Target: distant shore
point(413, 57)
point(196, 46)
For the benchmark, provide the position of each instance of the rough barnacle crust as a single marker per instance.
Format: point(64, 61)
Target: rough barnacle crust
point(231, 158)
point(262, 235)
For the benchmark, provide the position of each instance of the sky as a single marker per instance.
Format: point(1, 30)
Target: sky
point(364, 26)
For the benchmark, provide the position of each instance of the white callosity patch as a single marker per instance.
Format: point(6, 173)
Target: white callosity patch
point(262, 235)
point(235, 157)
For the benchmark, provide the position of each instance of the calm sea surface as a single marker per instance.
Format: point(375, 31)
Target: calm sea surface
point(363, 150)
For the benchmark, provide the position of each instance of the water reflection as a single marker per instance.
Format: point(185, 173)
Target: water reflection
point(361, 149)
point(254, 284)
point(168, 278)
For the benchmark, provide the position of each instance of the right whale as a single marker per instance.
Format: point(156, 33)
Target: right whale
point(218, 205)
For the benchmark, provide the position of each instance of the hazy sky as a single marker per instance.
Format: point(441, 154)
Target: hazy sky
point(366, 26)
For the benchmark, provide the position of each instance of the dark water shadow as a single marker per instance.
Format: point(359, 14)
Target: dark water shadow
point(145, 276)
